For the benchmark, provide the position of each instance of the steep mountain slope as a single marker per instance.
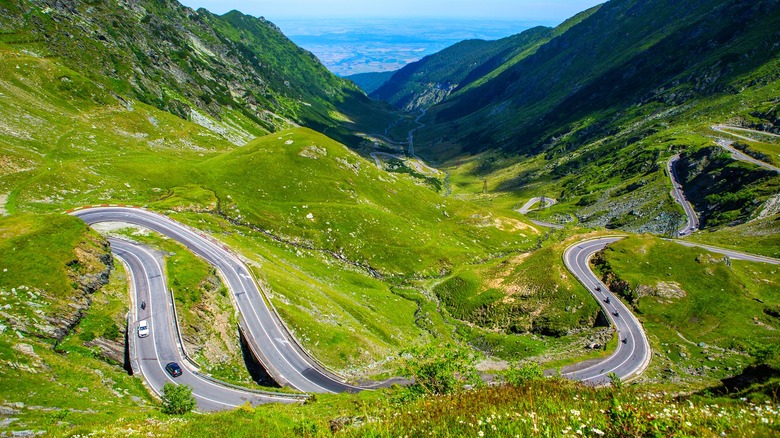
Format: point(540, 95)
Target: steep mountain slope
point(661, 53)
point(430, 80)
point(316, 218)
point(369, 82)
point(434, 78)
point(591, 116)
point(237, 75)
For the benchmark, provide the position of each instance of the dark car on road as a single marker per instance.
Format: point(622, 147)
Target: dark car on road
point(173, 369)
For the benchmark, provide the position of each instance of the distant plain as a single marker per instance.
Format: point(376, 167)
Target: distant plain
point(352, 46)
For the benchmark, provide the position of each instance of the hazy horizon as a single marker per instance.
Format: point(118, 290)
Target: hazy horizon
point(349, 46)
point(552, 12)
point(350, 36)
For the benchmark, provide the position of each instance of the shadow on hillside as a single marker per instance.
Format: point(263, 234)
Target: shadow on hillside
point(762, 379)
point(255, 368)
point(519, 181)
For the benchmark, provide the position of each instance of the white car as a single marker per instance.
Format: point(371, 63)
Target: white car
point(143, 329)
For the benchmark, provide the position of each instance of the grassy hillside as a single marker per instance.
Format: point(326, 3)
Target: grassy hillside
point(526, 307)
point(426, 82)
point(725, 191)
point(307, 190)
point(51, 265)
point(369, 82)
point(759, 236)
point(66, 143)
point(704, 314)
point(534, 408)
point(464, 66)
point(58, 329)
point(591, 116)
point(596, 71)
point(530, 293)
point(237, 75)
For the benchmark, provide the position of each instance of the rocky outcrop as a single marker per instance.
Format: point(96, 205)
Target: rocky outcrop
point(615, 284)
point(723, 191)
point(114, 351)
point(663, 290)
point(89, 271)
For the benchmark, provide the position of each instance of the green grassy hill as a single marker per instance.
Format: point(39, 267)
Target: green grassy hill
point(432, 79)
point(610, 61)
point(369, 82)
point(67, 143)
point(237, 75)
point(62, 310)
point(223, 124)
point(464, 66)
point(705, 314)
point(591, 115)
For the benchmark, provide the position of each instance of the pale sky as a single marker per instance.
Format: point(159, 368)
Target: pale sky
point(554, 11)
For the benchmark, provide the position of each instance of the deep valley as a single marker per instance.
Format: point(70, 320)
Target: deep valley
point(574, 230)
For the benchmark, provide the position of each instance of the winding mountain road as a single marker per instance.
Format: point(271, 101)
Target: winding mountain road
point(275, 347)
point(736, 255)
point(633, 353)
point(692, 223)
point(269, 340)
point(546, 202)
point(737, 154)
point(161, 346)
point(266, 335)
point(410, 141)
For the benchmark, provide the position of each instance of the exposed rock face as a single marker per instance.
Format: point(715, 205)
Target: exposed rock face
point(723, 191)
point(669, 290)
point(111, 350)
point(89, 271)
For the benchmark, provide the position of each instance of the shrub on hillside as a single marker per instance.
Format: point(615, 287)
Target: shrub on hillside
point(177, 399)
point(438, 370)
point(517, 375)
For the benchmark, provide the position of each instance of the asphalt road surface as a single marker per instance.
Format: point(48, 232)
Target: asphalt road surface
point(741, 156)
point(278, 351)
point(548, 202)
point(633, 352)
point(632, 355)
point(737, 154)
point(677, 193)
point(735, 255)
point(161, 346)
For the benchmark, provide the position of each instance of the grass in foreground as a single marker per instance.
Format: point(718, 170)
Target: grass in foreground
point(545, 408)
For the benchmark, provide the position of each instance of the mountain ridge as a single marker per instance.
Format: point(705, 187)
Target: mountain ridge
point(235, 74)
point(622, 87)
point(555, 74)
point(436, 77)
